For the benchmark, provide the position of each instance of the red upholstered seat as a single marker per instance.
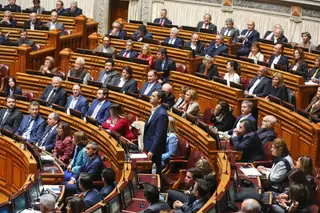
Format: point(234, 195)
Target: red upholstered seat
point(28, 94)
point(207, 115)
point(245, 81)
point(181, 68)
point(314, 209)
point(267, 154)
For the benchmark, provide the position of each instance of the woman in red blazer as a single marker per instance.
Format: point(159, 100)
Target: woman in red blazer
point(64, 147)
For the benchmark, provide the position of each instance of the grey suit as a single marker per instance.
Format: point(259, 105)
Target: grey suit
point(59, 26)
point(110, 50)
point(157, 207)
point(233, 33)
point(111, 78)
point(28, 41)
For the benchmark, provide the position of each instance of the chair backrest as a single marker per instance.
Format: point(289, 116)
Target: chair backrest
point(181, 68)
point(194, 156)
point(183, 147)
point(245, 82)
point(314, 208)
point(291, 97)
point(28, 94)
point(207, 115)
point(191, 118)
point(267, 150)
point(4, 70)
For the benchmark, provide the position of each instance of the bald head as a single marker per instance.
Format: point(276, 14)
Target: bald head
point(250, 206)
point(251, 25)
point(167, 88)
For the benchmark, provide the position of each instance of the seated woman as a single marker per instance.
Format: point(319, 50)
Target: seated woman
point(118, 122)
point(266, 132)
point(64, 147)
point(48, 66)
point(207, 68)
point(172, 141)
point(8, 20)
point(255, 53)
point(126, 82)
point(232, 76)
point(314, 74)
point(305, 164)
point(80, 141)
point(183, 91)
point(314, 107)
point(11, 87)
point(299, 63)
point(190, 104)
point(74, 204)
point(208, 174)
point(278, 89)
point(145, 54)
point(281, 167)
point(223, 118)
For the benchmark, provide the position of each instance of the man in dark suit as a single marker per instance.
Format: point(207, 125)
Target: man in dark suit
point(47, 140)
point(169, 99)
point(195, 44)
point(12, 5)
point(33, 23)
point(105, 47)
point(155, 130)
point(126, 82)
point(247, 37)
point(32, 126)
point(59, 8)
point(174, 39)
point(90, 194)
point(164, 64)
point(108, 178)
point(151, 193)
point(278, 57)
point(109, 75)
point(229, 30)
point(99, 108)
point(25, 40)
point(74, 10)
point(216, 47)
point(117, 30)
point(277, 36)
point(206, 24)
point(77, 101)
point(55, 94)
point(163, 20)
point(10, 117)
point(141, 33)
point(260, 85)
point(129, 52)
point(246, 140)
point(151, 85)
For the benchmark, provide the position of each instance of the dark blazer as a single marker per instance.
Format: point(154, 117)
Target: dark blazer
point(195, 207)
point(77, 12)
point(234, 33)
point(170, 100)
point(166, 21)
point(132, 53)
point(263, 88)
point(280, 92)
point(3, 38)
point(93, 167)
point(213, 71)
point(168, 66)
point(36, 130)
point(50, 141)
point(17, 8)
point(250, 145)
point(226, 123)
point(155, 87)
point(28, 41)
point(250, 117)
point(60, 12)
point(37, 25)
point(146, 36)
point(254, 36)
point(13, 120)
point(178, 42)
point(213, 51)
point(281, 39)
point(81, 105)
point(121, 34)
point(266, 135)
point(17, 91)
point(312, 72)
point(12, 24)
point(91, 198)
point(211, 27)
point(130, 85)
point(59, 98)
point(303, 68)
point(199, 49)
point(156, 207)
point(105, 191)
point(113, 75)
point(282, 61)
point(103, 113)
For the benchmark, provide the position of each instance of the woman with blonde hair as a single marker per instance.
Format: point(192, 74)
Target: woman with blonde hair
point(48, 66)
point(172, 141)
point(190, 104)
point(208, 174)
point(183, 91)
point(145, 54)
point(278, 89)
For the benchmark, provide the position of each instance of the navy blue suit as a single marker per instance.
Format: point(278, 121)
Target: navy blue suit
point(146, 36)
point(121, 34)
point(81, 105)
point(251, 118)
point(155, 87)
point(178, 42)
point(199, 49)
point(103, 113)
point(168, 66)
point(263, 88)
point(132, 53)
point(50, 141)
point(155, 135)
point(93, 167)
point(36, 130)
point(105, 191)
point(77, 12)
point(213, 51)
point(282, 61)
point(91, 198)
point(245, 49)
point(60, 12)
point(17, 8)
point(166, 21)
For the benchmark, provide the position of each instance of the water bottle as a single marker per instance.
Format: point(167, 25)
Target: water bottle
point(154, 170)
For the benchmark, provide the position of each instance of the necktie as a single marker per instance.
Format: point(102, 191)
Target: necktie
point(205, 72)
point(96, 110)
point(170, 41)
point(44, 138)
point(226, 32)
point(162, 66)
point(161, 22)
point(205, 26)
point(27, 126)
point(5, 116)
point(51, 96)
point(315, 74)
point(126, 54)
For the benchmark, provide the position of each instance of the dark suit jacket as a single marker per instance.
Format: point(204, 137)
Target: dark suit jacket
point(77, 12)
point(234, 33)
point(60, 12)
point(266, 135)
point(312, 72)
point(121, 34)
point(254, 36)
point(280, 92)
point(156, 207)
point(226, 123)
point(303, 68)
point(195, 207)
point(166, 21)
point(155, 87)
point(92, 167)
point(262, 89)
point(132, 53)
point(105, 191)
point(250, 117)
point(13, 120)
point(17, 8)
point(81, 105)
point(3, 38)
point(28, 41)
point(129, 86)
point(211, 27)
point(59, 98)
point(213, 71)
point(36, 130)
point(13, 23)
point(146, 36)
point(103, 113)
point(36, 25)
point(17, 91)
point(50, 141)
point(281, 39)
point(178, 42)
point(91, 198)
point(283, 60)
point(170, 100)
point(213, 51)
point(168, 66)
point(199, 49)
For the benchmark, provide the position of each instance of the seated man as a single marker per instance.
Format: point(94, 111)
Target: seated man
point(251, 206)
point(278, 36)
point(229, 30)
point(25, 40)
point(33, 23)
point(260, 85)
point(266, 133)
point(90, 194)
point(3, 37)
point(141, 33)
point(55, 94)
point(99, 108)
point(32, 126)
point(126, 82)
point(195, 44)
point(247, 37)
point(163, 20)
point(216, 47)
point(47, 141)
point(10, 117)
point(8, 20)
point(117, 30)
point(77, 101)
point(207, 68)
point(109, 75)
point(47, 203)
point(174, 39)
point(59, 8)
point(206, 24)
point(36, 7)
point(108, 178)
point(54, 24)
point(74, 10)
point(105, 47)
point(270, 34)
point(79, 71)
point(12, 5)
point(151, 193)
point(170, 99)
point(278, 57)
point(129, 52)
point(246, 140)
point(151, 85)
point(164, 64)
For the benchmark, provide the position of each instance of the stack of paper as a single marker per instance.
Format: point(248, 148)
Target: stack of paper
point(251, 172)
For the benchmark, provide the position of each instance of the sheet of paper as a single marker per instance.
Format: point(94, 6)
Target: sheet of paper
point(138, 155)
point(47, 157)
point(250, 171)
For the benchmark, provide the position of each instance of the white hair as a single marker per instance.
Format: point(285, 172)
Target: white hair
point(74, 3)
point(174, 30)
point(81, 60)
point(48, 201)
point(57, 78)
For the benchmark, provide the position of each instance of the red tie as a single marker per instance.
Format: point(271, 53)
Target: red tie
point(161, 22)
point(126, 55)
point(205, 26)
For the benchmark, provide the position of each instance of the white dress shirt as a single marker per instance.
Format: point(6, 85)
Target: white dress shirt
point(275, 61)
